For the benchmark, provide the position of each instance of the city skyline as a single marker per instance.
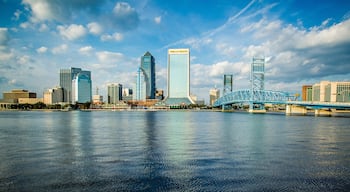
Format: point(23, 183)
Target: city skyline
point(302, 43)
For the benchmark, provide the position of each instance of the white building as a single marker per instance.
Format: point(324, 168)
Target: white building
point(327, 91)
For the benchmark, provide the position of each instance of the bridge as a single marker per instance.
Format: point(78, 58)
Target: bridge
point(257, 97)
point(261, 97)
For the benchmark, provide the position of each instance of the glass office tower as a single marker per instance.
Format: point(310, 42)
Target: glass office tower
point(115, 93)
point(148, 68)
point(81, 87)
point(178, 77)
point(66, 78)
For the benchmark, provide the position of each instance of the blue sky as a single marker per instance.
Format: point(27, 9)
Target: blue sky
point(303, 42)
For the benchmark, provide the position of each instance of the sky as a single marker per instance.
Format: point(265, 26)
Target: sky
point(302, 41)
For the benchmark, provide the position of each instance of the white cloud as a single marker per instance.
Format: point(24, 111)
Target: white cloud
point(25, 25)
point(41, 10)
point(86, 50)
point(95, 28)
point(60, 49)
point(72, 31)
point(43, 27)
point(41, 50)
point(24, 60)
point(3, 36)
point(123, 8)
point(109, 57)
point(158, 19)
point(114, 37)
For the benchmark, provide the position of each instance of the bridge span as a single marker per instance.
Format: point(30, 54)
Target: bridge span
point(262, 97)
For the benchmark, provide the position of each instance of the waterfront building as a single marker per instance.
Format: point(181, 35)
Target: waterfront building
point(214, 94)
point(97, 99)
point(228, 81)
point(115, 91)
point(306, 94)
point(178, 77)
point(81, 87)
point(140, 86)
point(53, 96)
point(148, 69)
point(31, 101)
point(66, 78)
point(127, 94)
point(327, 91)
point(15, 94)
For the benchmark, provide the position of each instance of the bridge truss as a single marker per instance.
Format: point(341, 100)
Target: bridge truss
point(246, 96)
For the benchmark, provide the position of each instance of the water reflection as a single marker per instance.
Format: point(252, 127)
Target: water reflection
point(176, 151)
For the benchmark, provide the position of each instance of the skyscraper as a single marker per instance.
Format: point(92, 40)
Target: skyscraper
point(141, 85)
point(81, 87)
point(115, 93)
point(179, 77)
point(148, 68)
point(66, 78)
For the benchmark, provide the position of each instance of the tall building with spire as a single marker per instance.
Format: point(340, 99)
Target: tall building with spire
point(179, 77)
point(149, 72)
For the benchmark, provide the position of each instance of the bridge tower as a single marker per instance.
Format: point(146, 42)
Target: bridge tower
point(227, 84)
point(257, 80)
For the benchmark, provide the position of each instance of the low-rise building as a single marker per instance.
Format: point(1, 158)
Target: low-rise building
point(327, 91)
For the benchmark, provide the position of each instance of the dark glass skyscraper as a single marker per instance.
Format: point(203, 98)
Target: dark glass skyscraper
point(148, 67)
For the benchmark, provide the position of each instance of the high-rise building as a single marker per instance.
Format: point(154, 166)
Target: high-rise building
point(81, 87)
point(178, 77)
point(228, 81)
point(115, 93)
point(66, 78)
point(214, 94)
point(141, 85)
point(148, 68)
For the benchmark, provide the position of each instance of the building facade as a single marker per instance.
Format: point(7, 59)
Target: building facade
point(327, 91)
point(140, 86)
point(306, 93)
point(66, 78)
point(82, 87)
point(53, 96)
point(228, 82)
point(14, 95)
point(148, 68)
point(214, 94)
point(114, 93)
point(178, 92)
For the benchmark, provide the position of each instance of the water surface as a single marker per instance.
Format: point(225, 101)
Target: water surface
point(172, 151)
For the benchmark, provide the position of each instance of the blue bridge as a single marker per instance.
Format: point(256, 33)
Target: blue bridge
point(257, 96)
point(261, 97)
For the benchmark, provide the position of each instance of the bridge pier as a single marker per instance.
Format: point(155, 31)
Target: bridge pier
point(323, 112)
point(225, 108)
point(293, 109)
point(260, 109)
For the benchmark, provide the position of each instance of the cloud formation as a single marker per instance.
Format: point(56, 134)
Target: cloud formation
point(72, 31)
point(124, 17)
